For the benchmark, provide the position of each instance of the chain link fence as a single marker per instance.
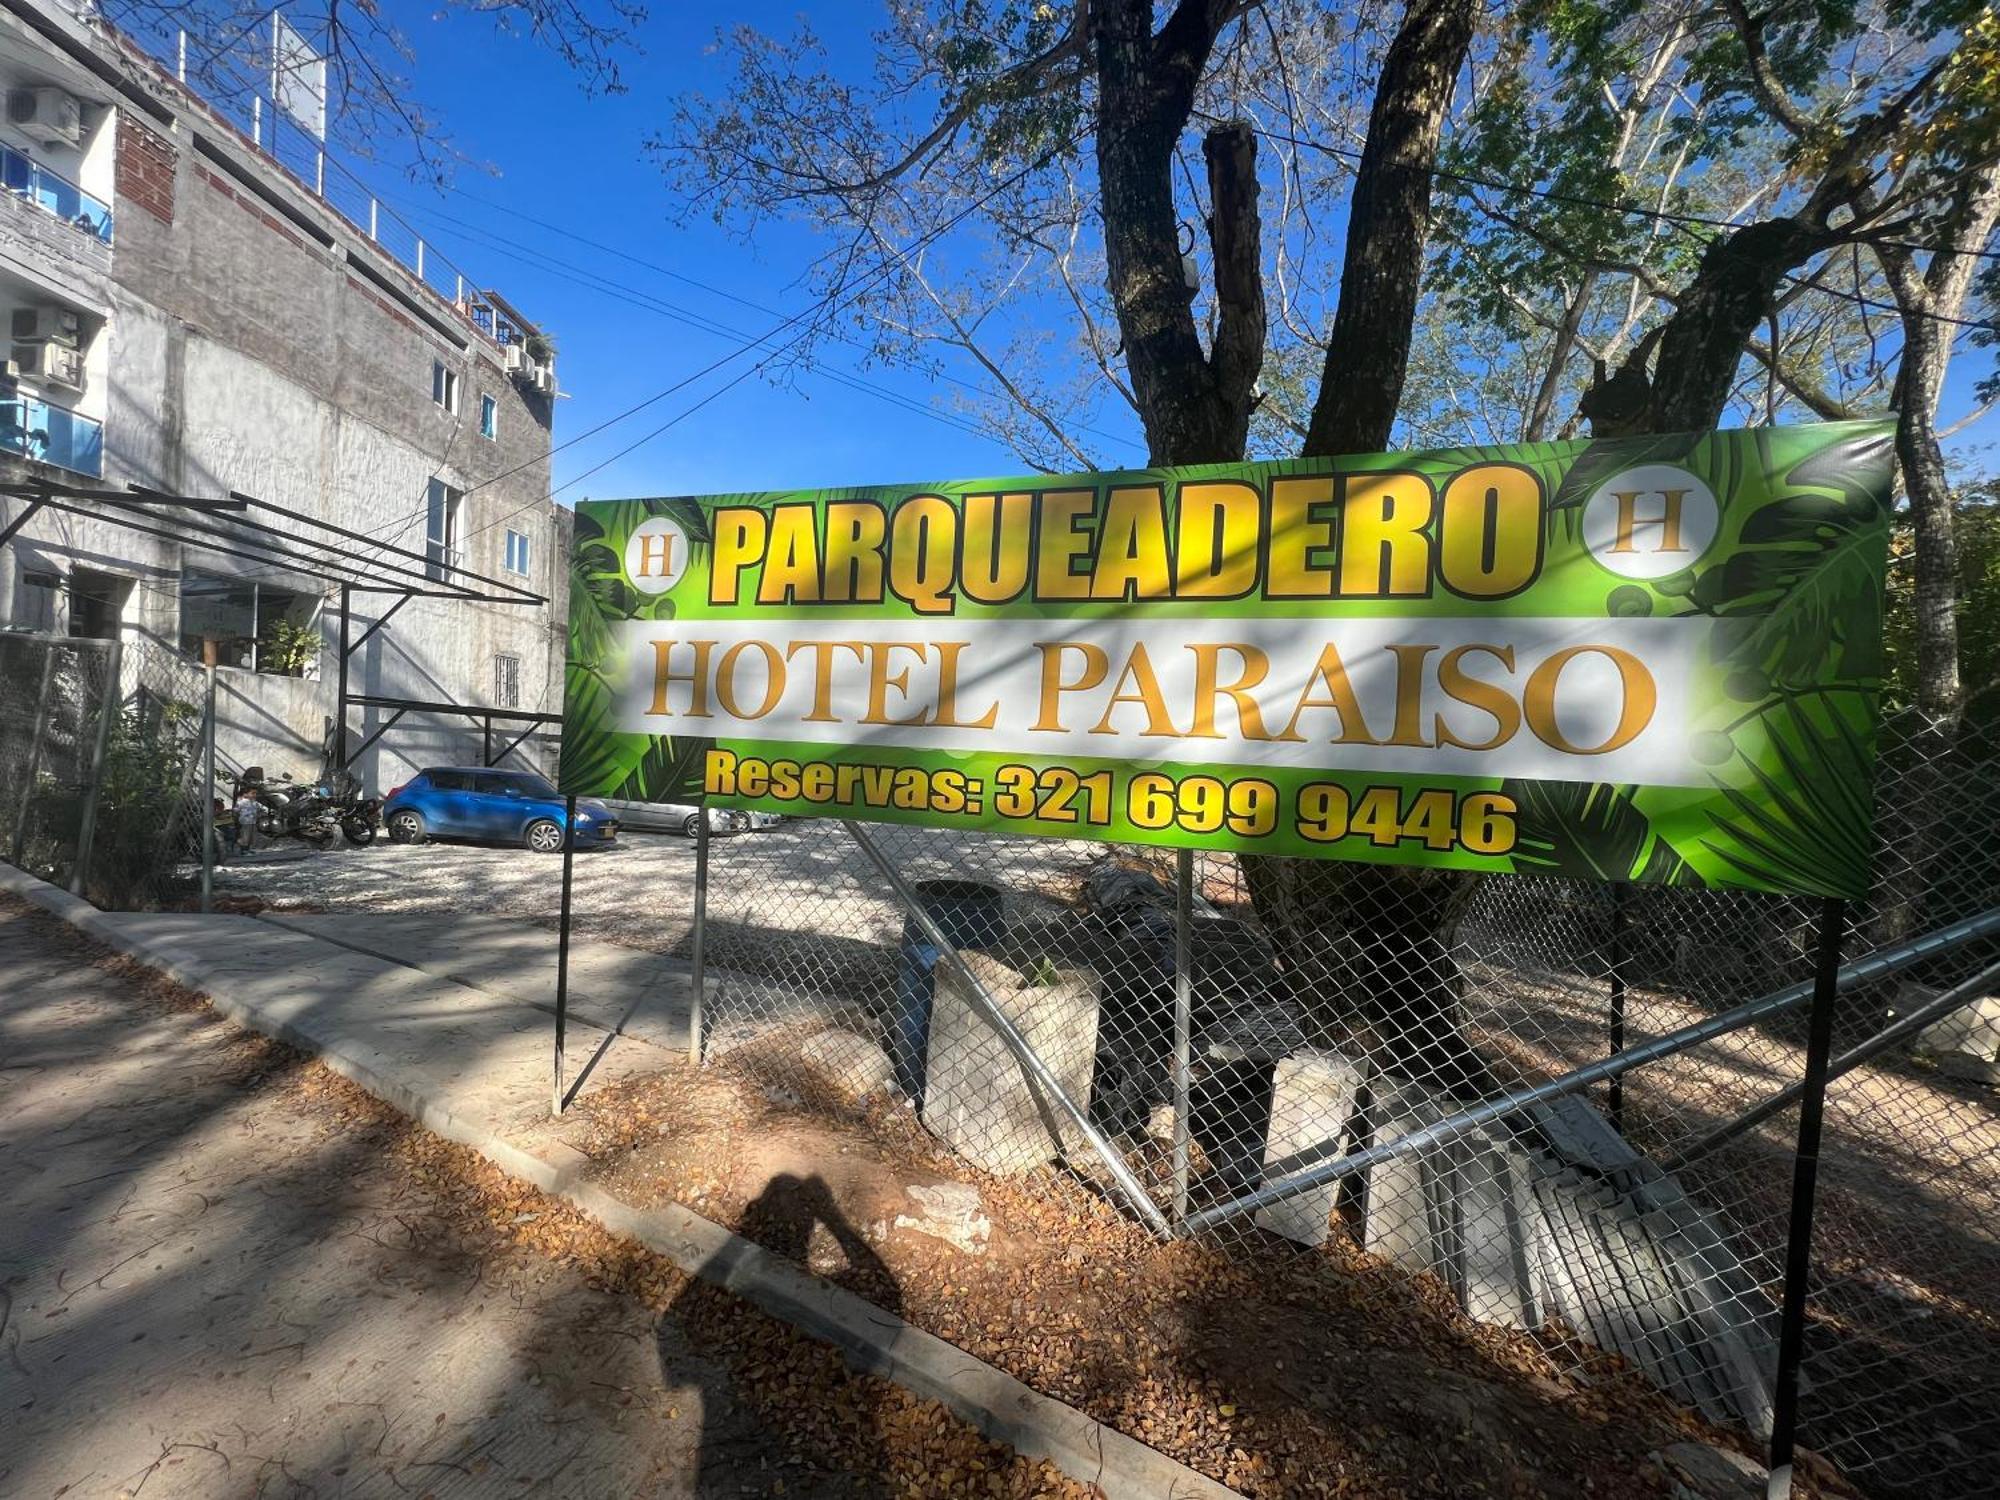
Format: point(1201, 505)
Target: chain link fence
point(1328, 1012)
point(101, 767)
point(1336, 1023)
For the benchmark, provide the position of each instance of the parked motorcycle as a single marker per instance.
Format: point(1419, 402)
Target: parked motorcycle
point(286, 808)
point(360, 817)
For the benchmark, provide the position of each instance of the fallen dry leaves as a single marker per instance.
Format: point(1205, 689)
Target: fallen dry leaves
point(1302, 1374)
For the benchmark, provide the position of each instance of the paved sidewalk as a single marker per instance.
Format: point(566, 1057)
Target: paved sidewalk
point(629, 990)
point(209, 1287)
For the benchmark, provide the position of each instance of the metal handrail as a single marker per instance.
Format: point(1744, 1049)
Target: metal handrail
point(989, 1010)
point(1877, 965)
point(1963, 992)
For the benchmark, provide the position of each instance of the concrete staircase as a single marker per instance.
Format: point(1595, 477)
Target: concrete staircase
point(1558, 1218)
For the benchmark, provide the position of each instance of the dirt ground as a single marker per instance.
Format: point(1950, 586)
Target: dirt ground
point(1301, 1373)
point(228, 1271)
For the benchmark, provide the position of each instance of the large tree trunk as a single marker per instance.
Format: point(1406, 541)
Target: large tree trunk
point(1917, 806)
point(1925, 299)
point(1367, 942)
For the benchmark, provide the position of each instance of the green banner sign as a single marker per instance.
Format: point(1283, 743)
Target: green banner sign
point(1638, 659)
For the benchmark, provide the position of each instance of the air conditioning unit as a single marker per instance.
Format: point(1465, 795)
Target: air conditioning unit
point(51, 362)
point(545, 379)
point(514, 357)
point(50, 325)
point(52, 116)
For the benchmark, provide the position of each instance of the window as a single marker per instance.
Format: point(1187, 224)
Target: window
point(441, 531)
point(35, 600)
point(517, 552)
point(444, 385)
point(507, 681)
point(255, 627)
point(489, 417)
point(523, 783)
point(450, 781)
point(97, 603)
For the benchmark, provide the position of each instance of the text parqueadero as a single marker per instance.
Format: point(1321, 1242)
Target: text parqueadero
point(1386, 535)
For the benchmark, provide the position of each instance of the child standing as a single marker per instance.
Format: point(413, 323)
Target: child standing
point(246, 820)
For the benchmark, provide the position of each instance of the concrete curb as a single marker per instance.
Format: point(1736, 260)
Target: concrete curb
point(870, 1338)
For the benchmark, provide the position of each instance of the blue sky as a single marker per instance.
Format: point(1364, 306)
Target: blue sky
point(577, 163)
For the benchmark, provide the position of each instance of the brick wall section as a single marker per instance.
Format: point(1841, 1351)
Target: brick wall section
point(146, 163)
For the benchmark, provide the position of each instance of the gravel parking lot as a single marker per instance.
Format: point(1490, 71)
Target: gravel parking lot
point(805, 876)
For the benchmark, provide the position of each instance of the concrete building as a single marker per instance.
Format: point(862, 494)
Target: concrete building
point(190, 313)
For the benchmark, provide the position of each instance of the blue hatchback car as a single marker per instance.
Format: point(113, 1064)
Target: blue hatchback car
point(472, 802)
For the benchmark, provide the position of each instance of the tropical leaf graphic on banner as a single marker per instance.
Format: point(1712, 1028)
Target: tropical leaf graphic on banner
point(595, 753)
point(1803, 820)
point(1592, 832)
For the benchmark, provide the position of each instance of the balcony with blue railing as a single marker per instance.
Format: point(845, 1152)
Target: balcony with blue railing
point(51, 434)
point(30, 181)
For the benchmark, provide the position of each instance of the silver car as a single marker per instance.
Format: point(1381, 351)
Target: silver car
point(679, 817)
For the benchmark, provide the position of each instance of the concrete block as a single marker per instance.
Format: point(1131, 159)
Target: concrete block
point(851, 1062)
point(1966, 1043)
point(978, 1099)
point(1493, 1266)
point(1407, 1196)
point(1313, 1097)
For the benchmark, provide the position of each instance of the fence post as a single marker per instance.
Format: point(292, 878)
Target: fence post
point(1183, 1020)
point(208, 781)
point(562, 950)
point(257, 119)
point(340, 678)
point(990, 1012)
point(1617, 968)
point(34, 754)
point(698, 956)
point(107, 710)
point(1805, 1188)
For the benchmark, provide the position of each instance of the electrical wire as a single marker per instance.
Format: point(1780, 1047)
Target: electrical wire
point(491, 240)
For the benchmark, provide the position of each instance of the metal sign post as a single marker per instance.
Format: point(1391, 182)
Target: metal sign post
point(1805, 1191)
point(1619, 897)
point(562, 949)
point(1183, 1021)
point(698, 940)
point(208, 780)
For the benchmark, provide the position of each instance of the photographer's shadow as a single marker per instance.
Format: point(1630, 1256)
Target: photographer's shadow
point(709, 1338)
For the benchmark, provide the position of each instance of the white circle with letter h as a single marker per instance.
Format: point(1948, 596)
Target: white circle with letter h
point(1649, 521)
point(656, 555)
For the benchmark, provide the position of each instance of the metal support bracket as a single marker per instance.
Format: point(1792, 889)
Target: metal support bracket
point(989, 1010)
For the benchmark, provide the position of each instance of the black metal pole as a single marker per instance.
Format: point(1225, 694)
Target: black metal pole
point(486, 741)
point(562, 949)
point(1617, 968)
point(340, 701)
point(698, 957)
point(1805, 1189)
